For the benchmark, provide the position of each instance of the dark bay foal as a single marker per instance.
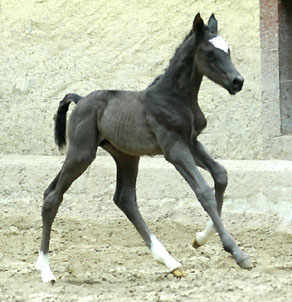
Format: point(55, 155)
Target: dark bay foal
point(163, 119)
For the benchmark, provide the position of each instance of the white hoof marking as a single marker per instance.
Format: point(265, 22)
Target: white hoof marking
point(204, 236)
point(43, 265)
point(161, 255)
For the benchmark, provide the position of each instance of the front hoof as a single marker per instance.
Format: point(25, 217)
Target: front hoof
point(178, 273)
point(245, 264)
point(196, 244)
point(48, 277)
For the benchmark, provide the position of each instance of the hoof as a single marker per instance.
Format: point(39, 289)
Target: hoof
point(246, 264)
point(178, 273)
point(42, 265)
point(195, 244)
point(48, 277)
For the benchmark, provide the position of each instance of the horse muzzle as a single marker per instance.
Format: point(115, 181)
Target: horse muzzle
point(235, 85)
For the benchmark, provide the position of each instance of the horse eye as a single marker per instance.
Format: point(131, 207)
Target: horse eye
point(210, 55)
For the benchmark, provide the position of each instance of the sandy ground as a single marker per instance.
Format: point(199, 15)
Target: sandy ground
point(97, 255)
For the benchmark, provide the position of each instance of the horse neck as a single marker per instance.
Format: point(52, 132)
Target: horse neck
point(182, 76)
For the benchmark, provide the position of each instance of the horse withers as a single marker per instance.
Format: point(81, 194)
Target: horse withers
point(165, 118)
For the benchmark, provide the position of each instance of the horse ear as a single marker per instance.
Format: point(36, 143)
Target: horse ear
point(213, 24)
point(198, 25)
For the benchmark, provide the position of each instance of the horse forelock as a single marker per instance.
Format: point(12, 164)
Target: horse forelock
point(219, 42)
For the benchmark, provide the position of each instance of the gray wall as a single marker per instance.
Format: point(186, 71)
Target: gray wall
point(50, 48)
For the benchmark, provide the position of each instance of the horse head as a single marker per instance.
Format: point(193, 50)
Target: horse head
point(212, 56)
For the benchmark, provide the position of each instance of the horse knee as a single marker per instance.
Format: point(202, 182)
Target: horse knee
point(207, 199)
point(51, 204)
point(221, 178)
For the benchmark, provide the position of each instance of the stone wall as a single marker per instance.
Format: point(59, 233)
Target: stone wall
point(50, 48)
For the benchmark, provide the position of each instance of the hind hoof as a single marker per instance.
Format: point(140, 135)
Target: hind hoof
point(195, 244)
point(246, 264)
point(178, 273)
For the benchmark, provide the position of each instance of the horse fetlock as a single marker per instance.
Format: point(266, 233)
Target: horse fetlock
point(242, 259)
point(200, 239)
point(230, 246)
point(205, 235)
point(161, 255)
point(246, 264)
point(43, 265)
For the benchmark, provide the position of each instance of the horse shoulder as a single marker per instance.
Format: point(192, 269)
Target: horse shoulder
point(172, 113)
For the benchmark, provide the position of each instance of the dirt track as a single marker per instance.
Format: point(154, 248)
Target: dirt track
point(98, 256)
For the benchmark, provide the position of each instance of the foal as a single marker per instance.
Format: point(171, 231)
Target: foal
point(165, 118)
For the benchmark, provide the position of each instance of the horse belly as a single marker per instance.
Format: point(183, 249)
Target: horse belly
point(123, 124)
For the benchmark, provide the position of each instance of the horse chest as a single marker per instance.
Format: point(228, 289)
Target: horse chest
point(200, 122)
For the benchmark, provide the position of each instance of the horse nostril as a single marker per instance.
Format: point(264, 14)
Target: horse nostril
point(238, 82)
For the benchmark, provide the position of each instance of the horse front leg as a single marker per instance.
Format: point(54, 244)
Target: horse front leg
point(180, 155)
point(219, 175)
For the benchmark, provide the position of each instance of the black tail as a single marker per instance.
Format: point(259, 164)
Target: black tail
point(60, 118)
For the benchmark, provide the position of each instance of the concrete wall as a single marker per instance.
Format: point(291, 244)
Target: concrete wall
point(50, 48)
point(275, 26)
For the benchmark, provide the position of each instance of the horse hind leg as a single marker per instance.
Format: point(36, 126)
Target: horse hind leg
point(81, 153)
point(125, 199)
point(71, 170)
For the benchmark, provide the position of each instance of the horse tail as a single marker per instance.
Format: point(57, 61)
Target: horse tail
point(60, 118)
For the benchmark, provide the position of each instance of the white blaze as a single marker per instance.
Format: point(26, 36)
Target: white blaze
point(219, 43)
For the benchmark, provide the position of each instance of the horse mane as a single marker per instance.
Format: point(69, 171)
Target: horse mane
point(155, 81)
point(180, 60)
